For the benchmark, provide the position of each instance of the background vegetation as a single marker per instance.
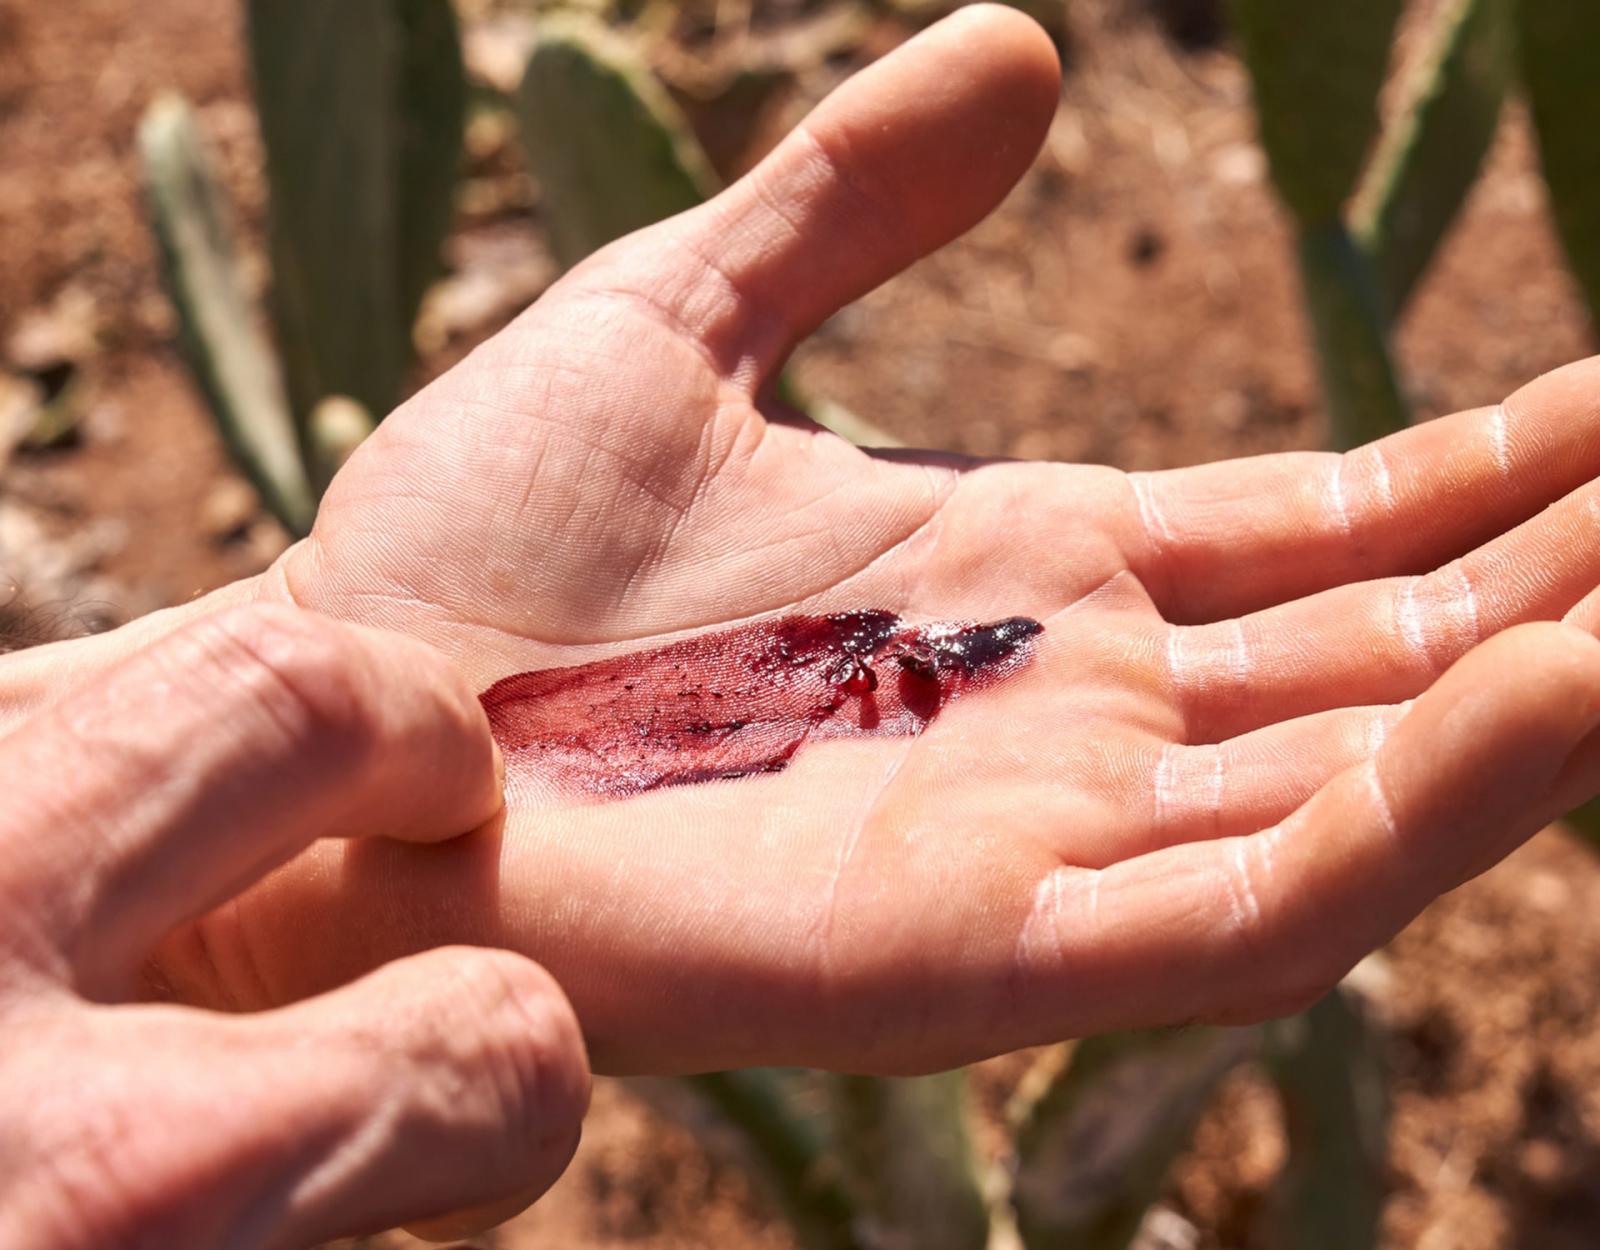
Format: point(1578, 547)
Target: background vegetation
point(1374, 122)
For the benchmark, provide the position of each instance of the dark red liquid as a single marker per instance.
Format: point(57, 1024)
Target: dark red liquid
point(739, 701)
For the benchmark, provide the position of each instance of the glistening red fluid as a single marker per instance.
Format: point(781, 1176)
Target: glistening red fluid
point(740, 701)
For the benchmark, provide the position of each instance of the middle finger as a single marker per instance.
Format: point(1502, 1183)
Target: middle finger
point(1380, 641)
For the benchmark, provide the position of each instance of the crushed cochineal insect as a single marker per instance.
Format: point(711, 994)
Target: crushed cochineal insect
point(741, 701)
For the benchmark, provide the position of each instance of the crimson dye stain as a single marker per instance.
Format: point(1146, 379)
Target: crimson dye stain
point(739, 701)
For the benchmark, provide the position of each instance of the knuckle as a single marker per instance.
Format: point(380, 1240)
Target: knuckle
point(89, 1190)
point(95, 1168)
point(1246, 874)
point(520, 1029)
point(301, 671)
point(1286, 960)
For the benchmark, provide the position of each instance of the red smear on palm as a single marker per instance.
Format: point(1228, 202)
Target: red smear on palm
point(740, 701)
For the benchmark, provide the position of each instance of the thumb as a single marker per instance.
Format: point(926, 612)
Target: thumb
point(446, 1081)
point(910, 153)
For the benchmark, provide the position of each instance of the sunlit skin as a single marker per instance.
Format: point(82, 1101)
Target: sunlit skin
point(735, 703)
point(172, 780)
point(1207, 795)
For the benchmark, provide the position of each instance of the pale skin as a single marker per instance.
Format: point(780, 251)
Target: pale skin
point(445, 1081)
point(1279, 706)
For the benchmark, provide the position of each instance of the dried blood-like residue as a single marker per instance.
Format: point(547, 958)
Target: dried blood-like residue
point(739, 701)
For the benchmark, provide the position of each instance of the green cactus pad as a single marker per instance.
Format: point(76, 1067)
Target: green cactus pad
point(770, 1111)
point(1330, 1073)
point(361, 105)
point(1359, 382)
point(612, 153)
point(1095, 1147)
point(905, 1145)
point(1317, 69)
point(1558, 41)
point(228, 355)
point(1430, 155)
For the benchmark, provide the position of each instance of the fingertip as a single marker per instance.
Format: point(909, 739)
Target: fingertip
point(976, 91)
point(1015, 41)
point(904, 156)
point(457, 1077)
point(1551, 636)
point(475, 1221)
point(1571, 392)
point(439, 755)
point(930, 139)
point(1585, 614)
point(1547, 670)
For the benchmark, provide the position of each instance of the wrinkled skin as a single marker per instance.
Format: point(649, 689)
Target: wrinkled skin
point(452, 1081)
point(1207, 797)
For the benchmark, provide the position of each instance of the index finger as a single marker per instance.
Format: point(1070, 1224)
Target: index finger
point(1219, 540)
point(201, 763)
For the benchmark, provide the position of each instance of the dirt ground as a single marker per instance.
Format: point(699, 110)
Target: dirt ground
point(1132, 303)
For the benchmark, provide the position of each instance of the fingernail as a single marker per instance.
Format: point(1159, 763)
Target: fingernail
point(499, 766)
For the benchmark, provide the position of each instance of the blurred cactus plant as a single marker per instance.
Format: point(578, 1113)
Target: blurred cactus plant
point(362, 109)
point(611, 151)
point(1370, 202)
point(1428, 157)
point(231, 360)
point(1093, 1148)
point(869, 1163)
point(1333, 1085)
point(1557, 41)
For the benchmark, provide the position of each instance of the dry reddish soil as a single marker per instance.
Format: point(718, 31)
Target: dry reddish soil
point(1133, 303)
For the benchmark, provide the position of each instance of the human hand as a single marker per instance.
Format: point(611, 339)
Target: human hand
point(449, 1080)
point(1206, 797)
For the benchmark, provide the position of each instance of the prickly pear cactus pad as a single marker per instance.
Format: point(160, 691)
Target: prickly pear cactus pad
point(612, 153)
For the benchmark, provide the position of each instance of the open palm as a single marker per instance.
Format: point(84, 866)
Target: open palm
point(1205, 799)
